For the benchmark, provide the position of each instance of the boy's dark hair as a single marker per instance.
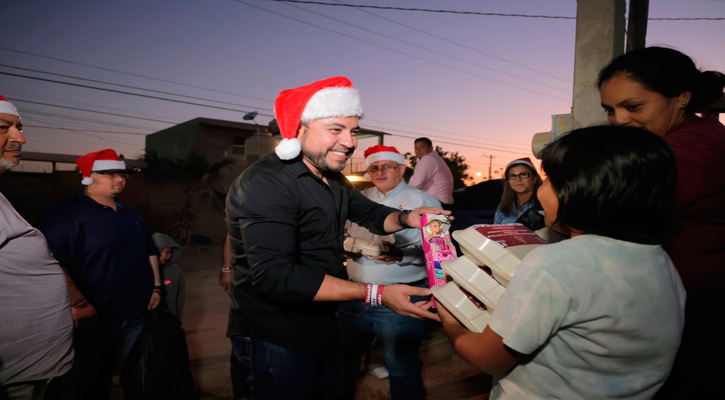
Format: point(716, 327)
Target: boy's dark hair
point(424, 140)
point(667, 72)
point(613, 181)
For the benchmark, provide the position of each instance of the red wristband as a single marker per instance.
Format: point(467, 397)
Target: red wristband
point(380, 295)
point(368, 294)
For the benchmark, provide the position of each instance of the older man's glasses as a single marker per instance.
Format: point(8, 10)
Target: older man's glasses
point(383, 168)
point(523, 175)
point(112, 174)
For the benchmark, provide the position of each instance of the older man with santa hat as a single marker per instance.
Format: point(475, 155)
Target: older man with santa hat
point(399, 336)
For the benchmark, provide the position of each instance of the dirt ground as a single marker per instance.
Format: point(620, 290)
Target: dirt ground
point(446, 376)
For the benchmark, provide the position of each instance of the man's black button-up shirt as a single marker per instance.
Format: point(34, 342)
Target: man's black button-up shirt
point(286, 230)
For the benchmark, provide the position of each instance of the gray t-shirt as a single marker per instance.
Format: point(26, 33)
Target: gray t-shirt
point(595, 317)
point(36, 324)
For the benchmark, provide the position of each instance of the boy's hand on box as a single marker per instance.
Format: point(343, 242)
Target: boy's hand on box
point(446, 317)
point(397, 298)
point(413, 218)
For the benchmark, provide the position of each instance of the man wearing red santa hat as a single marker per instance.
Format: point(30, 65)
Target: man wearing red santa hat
point(286, 217)
point(400, 336)
point(111, 265)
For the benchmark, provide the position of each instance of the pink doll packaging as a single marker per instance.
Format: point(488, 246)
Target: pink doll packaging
point(437, 246)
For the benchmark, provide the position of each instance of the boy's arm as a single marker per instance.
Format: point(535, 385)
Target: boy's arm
point(484, 350)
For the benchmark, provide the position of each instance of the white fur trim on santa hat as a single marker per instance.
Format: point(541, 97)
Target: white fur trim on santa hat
point(103, 165)
point(333, 102)
point(7, 107)
point(522, 161)
point(288, 149)
point(384, 156)
point(108, 165)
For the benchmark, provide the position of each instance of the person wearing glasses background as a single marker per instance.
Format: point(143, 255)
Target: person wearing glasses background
point(399, 336)
point(519, 196)
point(112, 269)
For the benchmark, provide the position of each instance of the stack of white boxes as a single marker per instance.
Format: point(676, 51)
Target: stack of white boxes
point(491, 254)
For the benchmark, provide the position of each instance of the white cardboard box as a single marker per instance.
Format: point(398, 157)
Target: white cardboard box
point(473, 316)
point(472, 277)
point(496, 253)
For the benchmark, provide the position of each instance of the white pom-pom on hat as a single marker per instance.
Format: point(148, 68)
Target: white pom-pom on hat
point(288, 149)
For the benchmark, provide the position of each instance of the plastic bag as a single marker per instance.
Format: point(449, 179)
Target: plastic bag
point(158, 365)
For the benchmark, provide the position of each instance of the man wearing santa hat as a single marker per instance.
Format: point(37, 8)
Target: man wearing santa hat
point(36, 329)
point(286, 217)
point(399, 336)
point(111, 265)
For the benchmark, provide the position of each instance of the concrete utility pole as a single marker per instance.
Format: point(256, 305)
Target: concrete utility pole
point(599, 38)
point(490, 163)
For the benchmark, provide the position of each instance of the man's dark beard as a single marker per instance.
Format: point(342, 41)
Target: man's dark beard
point(319, 160)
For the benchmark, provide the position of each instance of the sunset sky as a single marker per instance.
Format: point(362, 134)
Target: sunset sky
point(475, 84)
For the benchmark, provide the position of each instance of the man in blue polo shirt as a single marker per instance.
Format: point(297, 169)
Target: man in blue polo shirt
point(111, 265)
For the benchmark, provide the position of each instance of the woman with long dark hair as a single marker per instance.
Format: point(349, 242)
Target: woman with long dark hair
point(661, 89)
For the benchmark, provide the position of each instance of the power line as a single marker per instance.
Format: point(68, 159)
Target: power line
point(433, 51)
point(92, 111)
point(401, 52)
point(83, 122)
point(466, 145)
point(71, 62)
point(434, 136)
point(130, 87)
point(433, 130)
point(425, 10)
point(476, 12)
point(122, 92)
point(462, 45)
point(128, 73)
point(172, 122)
point(83, 130)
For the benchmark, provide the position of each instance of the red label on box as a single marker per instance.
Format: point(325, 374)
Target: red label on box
point(474, 300)
point(510, 235)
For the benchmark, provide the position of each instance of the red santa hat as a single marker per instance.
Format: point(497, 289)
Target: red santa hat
point(104, 160)
point(7, 107)
point(523, 161)
point(328, 98)
point(382, 153)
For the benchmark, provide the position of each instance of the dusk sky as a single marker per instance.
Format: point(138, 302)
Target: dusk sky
point(475, 84)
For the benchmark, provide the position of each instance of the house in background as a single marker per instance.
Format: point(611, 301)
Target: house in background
point(214, 138)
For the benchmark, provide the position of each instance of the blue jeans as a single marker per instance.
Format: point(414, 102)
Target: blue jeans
point(274, 372)
point(399, 337)
point(99, 353)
